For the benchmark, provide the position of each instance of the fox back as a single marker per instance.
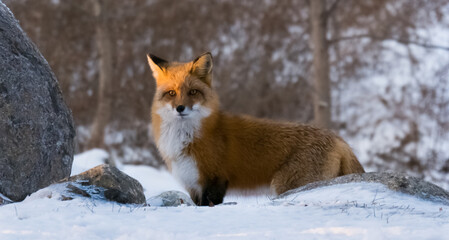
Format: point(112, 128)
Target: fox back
point(208, 150)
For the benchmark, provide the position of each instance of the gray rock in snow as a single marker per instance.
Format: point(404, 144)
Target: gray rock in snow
point(170, 199)
point(110, 182)
point(399, 182)
point(36, 127)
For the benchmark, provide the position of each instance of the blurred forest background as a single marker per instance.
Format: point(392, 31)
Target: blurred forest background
point(375, 71)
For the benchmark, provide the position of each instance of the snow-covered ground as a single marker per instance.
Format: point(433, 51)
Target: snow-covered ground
point(350, 211)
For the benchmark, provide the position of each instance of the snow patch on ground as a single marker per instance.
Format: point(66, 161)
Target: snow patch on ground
point(348, 211)
point(87, 160)
point(153, 181)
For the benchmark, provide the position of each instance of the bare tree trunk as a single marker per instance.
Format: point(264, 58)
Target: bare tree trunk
point(320, 67)
point(105, 51)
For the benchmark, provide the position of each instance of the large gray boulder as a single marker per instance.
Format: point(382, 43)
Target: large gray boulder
point(36, 127)
point(395, 181)
point(113, 184)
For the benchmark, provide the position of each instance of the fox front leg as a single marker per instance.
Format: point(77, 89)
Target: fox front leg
point(196, 198)
point(214, 192)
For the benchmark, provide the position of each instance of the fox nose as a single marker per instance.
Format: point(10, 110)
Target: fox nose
point(180, 108)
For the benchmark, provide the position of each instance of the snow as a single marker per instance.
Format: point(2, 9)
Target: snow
point(153, 181)
point(348, 211)
point(88, 160)
point(382, 107)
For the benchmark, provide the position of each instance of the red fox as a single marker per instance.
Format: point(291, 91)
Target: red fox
point(209, 150)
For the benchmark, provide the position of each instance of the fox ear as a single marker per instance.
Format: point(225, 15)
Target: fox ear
point(157, 65)
point(202, 67)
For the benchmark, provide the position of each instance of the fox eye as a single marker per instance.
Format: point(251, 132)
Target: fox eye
point(172, 93)
point(193, 92)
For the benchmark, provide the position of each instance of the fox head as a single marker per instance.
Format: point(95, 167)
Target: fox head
point(184, 91)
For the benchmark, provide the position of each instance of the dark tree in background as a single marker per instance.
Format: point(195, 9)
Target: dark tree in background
point(373, 70)
point(320, 68)
point(105, 46)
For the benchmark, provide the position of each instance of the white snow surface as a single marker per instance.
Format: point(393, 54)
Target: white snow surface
point(348, 211)
point(87, 160)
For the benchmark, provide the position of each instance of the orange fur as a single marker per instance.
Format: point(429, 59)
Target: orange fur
point(240, 152)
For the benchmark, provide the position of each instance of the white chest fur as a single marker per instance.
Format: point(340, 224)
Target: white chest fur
point(176, 133)
point(175, 136)
point(185, 170)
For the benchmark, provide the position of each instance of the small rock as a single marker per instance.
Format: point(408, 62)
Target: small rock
point(66, 191)
point(65, 198)
point(110, 182)
point(76, 190)
point(170, 199)
point(399, 182)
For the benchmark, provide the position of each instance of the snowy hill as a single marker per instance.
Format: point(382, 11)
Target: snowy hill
point(349, 211)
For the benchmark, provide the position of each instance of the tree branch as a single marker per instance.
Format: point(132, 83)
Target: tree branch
point(377, 38)
point(332, 8)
